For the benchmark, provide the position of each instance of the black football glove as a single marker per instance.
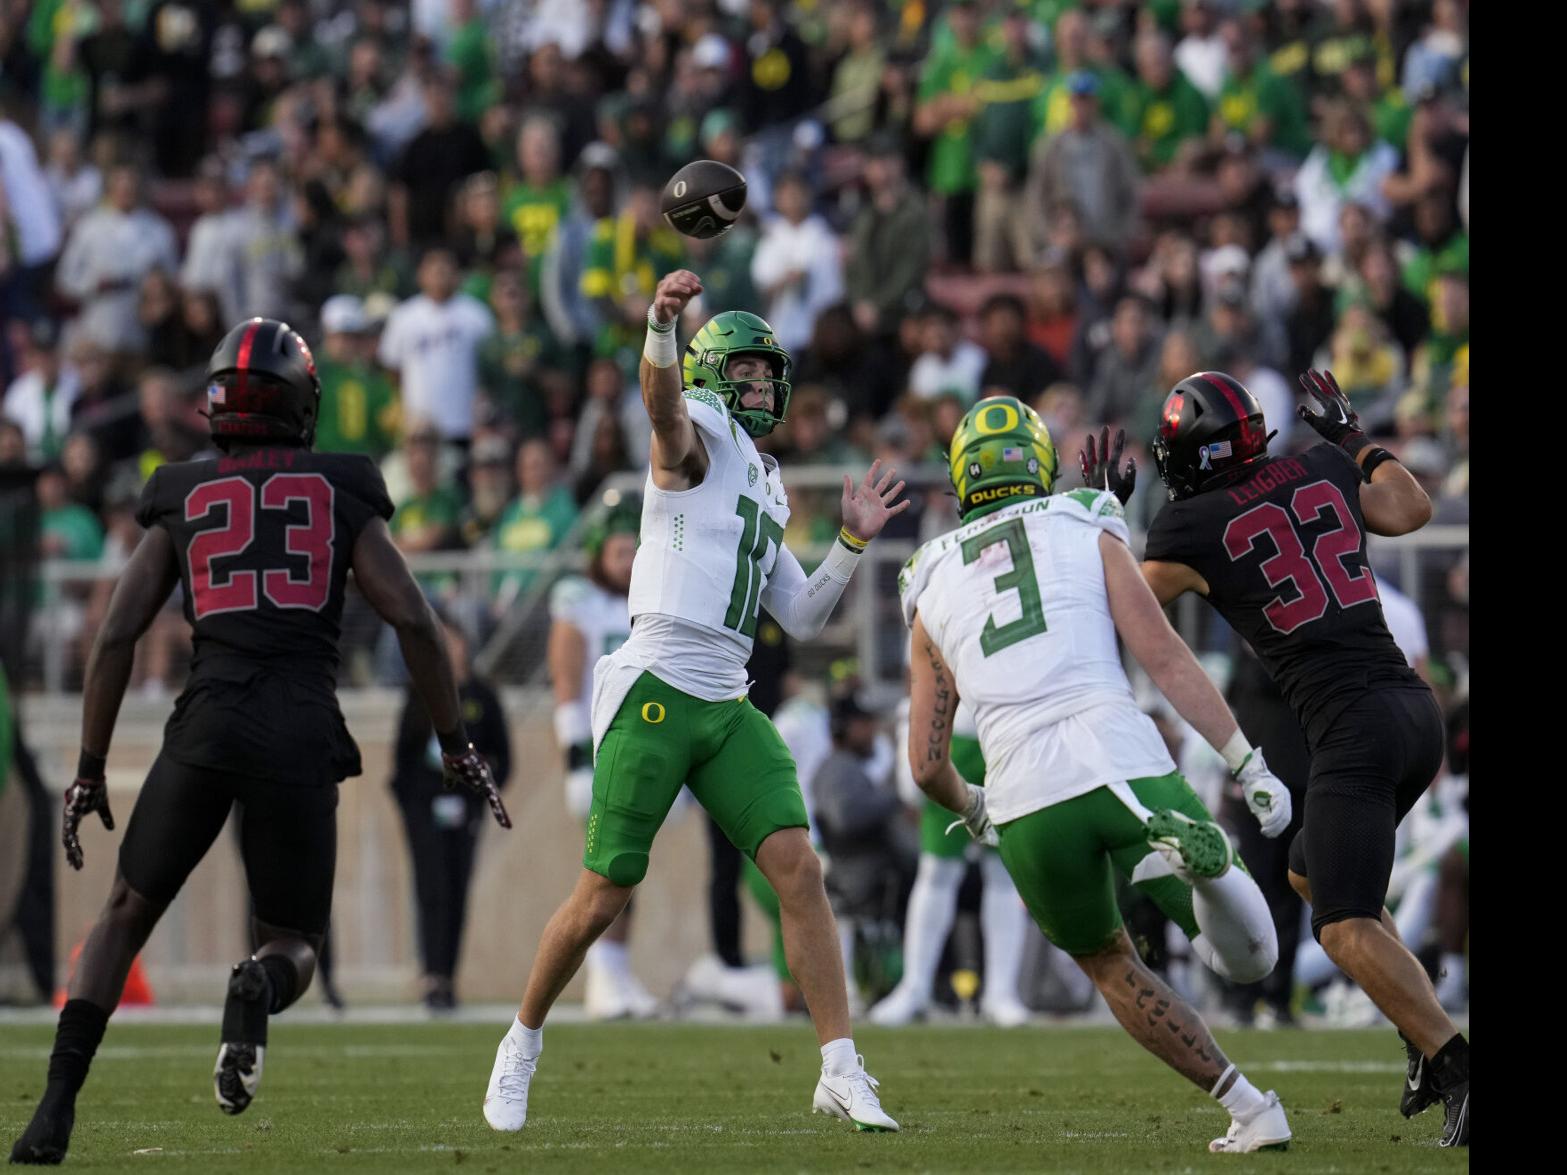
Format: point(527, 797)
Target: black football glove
point(82, 797)
point(469, 770)
point(1099, 466)
point(1337, 422)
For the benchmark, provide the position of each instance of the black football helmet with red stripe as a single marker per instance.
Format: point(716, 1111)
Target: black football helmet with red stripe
point(1210, 430)
point(262, 387)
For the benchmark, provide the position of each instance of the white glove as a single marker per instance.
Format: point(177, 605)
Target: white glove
point(579, 792)
point(1266, 795)
point(976, 819)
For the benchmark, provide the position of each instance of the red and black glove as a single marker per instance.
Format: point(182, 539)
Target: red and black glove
point(1337, 422)
point(1099, 466)
point(82, 797)
point(468, 769)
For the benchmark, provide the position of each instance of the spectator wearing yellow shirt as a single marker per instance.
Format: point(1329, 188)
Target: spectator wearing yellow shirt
point(626, 256)
point(537, 201)
point(359, 406)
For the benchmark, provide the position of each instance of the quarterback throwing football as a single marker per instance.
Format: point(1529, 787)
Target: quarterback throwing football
point(669, 706)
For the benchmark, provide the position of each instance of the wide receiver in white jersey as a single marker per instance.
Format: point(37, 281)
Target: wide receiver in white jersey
point(1017, 612)
point(669, 706)
point(589, 619)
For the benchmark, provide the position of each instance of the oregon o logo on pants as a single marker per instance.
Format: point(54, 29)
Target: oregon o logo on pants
point(652, 713)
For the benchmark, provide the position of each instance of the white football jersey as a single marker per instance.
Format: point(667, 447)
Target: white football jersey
point(599, 614)
point(1016, 602)
point(705, 557)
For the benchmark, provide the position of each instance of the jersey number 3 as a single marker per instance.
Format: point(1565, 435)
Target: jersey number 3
point(1290, 564)
point(996, 637)
point(213, 590)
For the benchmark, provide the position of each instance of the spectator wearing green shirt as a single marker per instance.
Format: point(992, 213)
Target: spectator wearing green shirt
point(66, 529)
point(1389, 111)
point(1053, 107)
point(369, 265)
point(539, 199)
point(626, 256)
point(1003, 130)
point(945, 113)
point(1256, 102)
point(1164, 115)
point(470, 52)
point(1442, 249)
point(426, 519)
point(359, 406)
point(536, 521)
point(524, 375)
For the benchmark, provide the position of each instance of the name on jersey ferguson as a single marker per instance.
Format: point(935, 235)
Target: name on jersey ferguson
point(1279, 472)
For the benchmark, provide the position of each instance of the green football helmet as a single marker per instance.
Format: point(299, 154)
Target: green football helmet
point(737, 332)
point(1000, 452)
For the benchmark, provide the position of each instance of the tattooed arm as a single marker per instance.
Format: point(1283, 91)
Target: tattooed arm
point(933, 700)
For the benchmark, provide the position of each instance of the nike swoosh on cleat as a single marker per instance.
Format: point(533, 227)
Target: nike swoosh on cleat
point(1418, 1075)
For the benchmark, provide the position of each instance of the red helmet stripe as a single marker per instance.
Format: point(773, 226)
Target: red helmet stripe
point(242, 364)
point(1225, 389)
point(1248, 435)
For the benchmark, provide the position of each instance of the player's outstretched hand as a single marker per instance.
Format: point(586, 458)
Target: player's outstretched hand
point(674, 291)
point(867, 507)
point(1337, 422)
point(1266, 795)
point(1101, 466)
point(469, 770)
point(82, 797)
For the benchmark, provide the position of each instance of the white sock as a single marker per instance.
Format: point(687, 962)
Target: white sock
point(1450, 984)
point(1242, 1099)
point(839, 1057)
point(1003, 921)
point(932, 907)
point(1238, 940)
point(529, 1040)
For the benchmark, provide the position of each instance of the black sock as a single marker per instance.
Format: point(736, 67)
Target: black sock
point(245, 1010)
point(76, 1039)
point(1450, 1066)
point(285, 981)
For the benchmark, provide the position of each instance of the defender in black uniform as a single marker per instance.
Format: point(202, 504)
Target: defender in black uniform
point(1278, 546)
point(262, 540)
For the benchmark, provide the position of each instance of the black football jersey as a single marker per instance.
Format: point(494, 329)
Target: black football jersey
point(1284, 555)
point(264, 543)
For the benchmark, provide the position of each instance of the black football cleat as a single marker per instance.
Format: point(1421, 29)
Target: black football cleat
point(47, 1136)
point(1455, 1131)
point(1420, 1092)
point(237, 1074)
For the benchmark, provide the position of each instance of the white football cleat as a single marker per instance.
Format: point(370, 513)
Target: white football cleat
point(897, 1008)
point(1005, 1013)
point(506, 1100)
point(1266, 1130)
point(852, 1097)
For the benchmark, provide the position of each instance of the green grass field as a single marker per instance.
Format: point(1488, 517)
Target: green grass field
point(712, 1098)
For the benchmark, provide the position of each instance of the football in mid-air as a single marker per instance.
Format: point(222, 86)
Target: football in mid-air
point(703, 199)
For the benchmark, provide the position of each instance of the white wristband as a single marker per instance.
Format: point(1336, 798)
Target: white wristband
point(659, 349)
point(1236, 751)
